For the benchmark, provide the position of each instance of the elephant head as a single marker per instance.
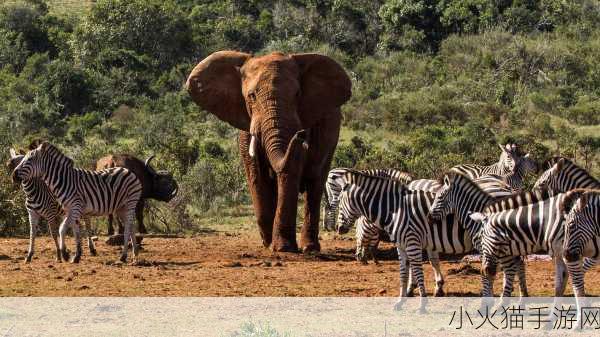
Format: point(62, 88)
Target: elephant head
point(277, 99)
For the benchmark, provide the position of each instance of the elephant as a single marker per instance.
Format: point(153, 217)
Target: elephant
point(288, 111)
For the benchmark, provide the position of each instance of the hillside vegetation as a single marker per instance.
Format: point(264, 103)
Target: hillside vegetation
point(435, 83)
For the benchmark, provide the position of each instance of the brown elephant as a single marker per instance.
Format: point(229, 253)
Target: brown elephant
point(288, 110)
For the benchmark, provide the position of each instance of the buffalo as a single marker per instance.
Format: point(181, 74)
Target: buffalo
point(158, 185)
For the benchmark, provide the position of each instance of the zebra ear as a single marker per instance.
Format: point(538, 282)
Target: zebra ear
point(502, 147)
point(446, 180)
point(560, 164)
point(44, 146)
point(13, 153)
point(583, 200)
point(526, 155)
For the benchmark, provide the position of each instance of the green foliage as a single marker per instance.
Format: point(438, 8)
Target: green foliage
point(435, 83)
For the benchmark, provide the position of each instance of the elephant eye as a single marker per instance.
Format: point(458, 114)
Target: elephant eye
point(252, 95)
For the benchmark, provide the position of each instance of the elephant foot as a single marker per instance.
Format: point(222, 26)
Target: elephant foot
point(311, 247)
point(283, 245)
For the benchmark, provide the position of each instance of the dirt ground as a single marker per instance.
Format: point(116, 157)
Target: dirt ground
point(225, 264)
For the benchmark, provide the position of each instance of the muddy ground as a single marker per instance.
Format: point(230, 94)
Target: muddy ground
point(226, 264)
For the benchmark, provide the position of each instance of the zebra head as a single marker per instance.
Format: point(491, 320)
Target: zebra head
point(550, 178)
point(512, 160)
point(582, 211)
point(333, 187)
point(442, 204)
point(35, 162)
point(15, 160)
point(347, 214)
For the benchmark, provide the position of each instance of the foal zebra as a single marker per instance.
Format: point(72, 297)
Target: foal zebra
point(582, 234)
point(461, 196)
point(512, 166)
point(334, 183)
point(526, 223)
point(40, 204)
point(83, 193)
point(402, 213)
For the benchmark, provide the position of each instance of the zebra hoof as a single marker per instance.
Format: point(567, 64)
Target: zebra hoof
point(28, 258)
point(65, 255)
point(76, 259)
point(410, 292)
point(123, 258)
point(93, 252)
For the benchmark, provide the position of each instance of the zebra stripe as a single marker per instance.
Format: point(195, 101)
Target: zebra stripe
point(83, 193)
point(460, 195)
point(40, 204)
point(512, 165)
point(402, 213)
point(334, 183)
point(367, 240)
point(537, 228)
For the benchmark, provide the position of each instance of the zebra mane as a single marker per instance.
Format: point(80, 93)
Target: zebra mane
point(55, 153)
point(454, 175)
point(568, 163)
point(352, 173)
point(573, 195)
point(519, 199)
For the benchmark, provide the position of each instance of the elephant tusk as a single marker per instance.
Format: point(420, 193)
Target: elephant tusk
point(252, 148)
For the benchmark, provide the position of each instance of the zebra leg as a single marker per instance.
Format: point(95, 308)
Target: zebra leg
point(53, 230)
point(519, 262)
point(577, 279)
point(403, 279)
point(560, 276)
point(412, 284)
point(509, 270)
point(434, 260)
point(127, 218)
point(373, 251)
point(78, 250)
point(62, 233)
point(110, 228)
point(416, 265)
point(139, 216)
point(88, 231)
point(588, 263)
point(34, 220)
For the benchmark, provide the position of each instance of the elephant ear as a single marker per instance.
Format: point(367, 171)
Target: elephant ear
point(215, 85)
point(325, 86)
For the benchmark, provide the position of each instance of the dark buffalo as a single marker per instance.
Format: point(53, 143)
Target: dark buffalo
point(158, 185)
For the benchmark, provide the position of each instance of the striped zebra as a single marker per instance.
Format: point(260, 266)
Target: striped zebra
point(402, 213)
point(40, 204)
point(461, 196)
point(563, 175)
point(582, 235)
point(83, 193)
point(367, 234)
point(333, 187)
point(513, 165)
point(526, 223)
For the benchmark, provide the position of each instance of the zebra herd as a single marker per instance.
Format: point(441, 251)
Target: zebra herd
point(53, 188)
point(482, 208)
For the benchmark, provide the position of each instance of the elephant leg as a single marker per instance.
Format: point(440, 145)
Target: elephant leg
point(284, 224)
point(139, 215)
point(310, 227)
point(261, 188)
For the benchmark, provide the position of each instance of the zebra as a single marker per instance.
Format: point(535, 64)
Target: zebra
point(563, 175)
point(513, 165)
point(333, 187)
point(402, 213)
point(582, 235)
point(367, 234)
point(83, 193)
point(461, 196)
point(526, 223)
point(40, 204)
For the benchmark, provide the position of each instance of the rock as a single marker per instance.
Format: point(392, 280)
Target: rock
point(234, 264)
point(69, 279)
point(50, 266)
point(278, 264)
point(381, 291)
point(84, 287)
